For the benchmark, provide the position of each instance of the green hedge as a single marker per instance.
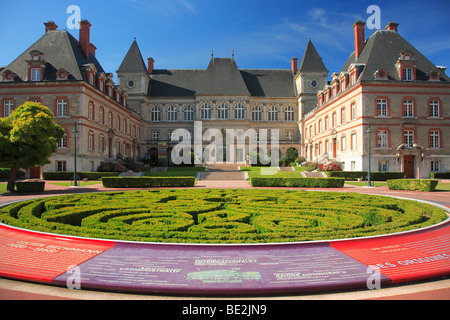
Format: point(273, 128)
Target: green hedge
point(299, 182)
point(80, 175)
point(4, 174)
point(30, 186)
point(374, 176)
point(440, 175)
point(412, 185)
point(147, 182)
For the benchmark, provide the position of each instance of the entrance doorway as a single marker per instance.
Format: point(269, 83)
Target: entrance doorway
point(408, 166)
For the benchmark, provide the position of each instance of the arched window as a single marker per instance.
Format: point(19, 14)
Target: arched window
point(222, 111)
point(256, 114)
point(206, 112)
point(155, 114)
point(189, 113)
point(289, 114)
point(172, 113)
point(239, 111)
point(273, 113)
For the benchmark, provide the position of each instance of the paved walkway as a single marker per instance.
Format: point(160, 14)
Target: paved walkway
point(430, 290)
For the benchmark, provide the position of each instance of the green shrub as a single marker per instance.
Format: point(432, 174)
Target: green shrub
point(374, 176)
point(299, 182)
point(147, 182)
point(30, 186)
point(412, 185)
point(440, 175)
point(4, 174)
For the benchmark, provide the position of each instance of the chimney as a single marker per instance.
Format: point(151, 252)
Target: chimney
point(151, 65)
point(294, 65)
point(359, 37)
point(50, 26)
point(85, 34)
point(392, 26)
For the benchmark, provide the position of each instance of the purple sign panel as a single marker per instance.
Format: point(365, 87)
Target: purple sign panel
point(221, 270)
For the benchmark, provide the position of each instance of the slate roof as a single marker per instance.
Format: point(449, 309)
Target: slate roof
point(61, 51)
point(133, 61)
point(222, 77)
point(311, 61)
point(382, 51)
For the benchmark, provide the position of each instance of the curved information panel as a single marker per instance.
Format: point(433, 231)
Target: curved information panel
point(224, 269)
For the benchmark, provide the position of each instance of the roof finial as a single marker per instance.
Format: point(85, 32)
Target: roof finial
point(212, 53)
point(232, 54)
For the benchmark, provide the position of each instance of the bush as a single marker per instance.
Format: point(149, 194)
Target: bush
point(80, 175)
point(299, 182)
point(147, 182)
point(412, 185)
point(30, 186)
point(311, 166)
point(112, 167)
point(4, 174)
point(440, 175)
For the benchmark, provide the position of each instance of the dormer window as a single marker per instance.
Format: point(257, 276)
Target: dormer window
point(9, 76)
point(407, 74)
point(36, 66)
point(62, 75)
point(434, 76)
point(36, 74)
point(381, 75)
point(407, 66)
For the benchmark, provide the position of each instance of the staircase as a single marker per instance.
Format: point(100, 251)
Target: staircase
point(314, 174)
point(222, 172)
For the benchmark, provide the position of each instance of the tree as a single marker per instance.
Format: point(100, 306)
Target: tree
point(28, 138)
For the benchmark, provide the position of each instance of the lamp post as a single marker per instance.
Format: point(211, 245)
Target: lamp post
point(75, 133)
point(369, 183)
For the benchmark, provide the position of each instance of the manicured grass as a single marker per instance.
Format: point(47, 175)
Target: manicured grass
point(176, 172)
point(221, 216)
point(80, 183)
point(364, 183)
point(270, 172)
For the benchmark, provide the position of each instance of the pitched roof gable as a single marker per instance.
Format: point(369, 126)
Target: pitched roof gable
point(311, 60)
point(133, 61)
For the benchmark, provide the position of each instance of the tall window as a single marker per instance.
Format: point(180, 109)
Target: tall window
point(61, 166)
point(239, 111)
point(353, 111)
point(382, 107)
point(273, 113)
point(383, 139)
point(434, 109)
point(36, 74)
point(408, 108)
point(408, 138)
point(62, 143)
point(189, 113)
point(91, 141)
point(289, 114)
point(354, 141)
point(222, 112)
point(334, 120)
point(256, 114)
point(435, 139)
point(61, 108)
point(290, 135)
point(110, 121)
point(343, 140)
point(435, 166)
point(343, 116)
point(155, 135)
point(8, 108)
point(383, 166)
point(101, 145)
point(172, 113)
point(155, 114)
point(101, 116)
point(91, 112)
point(407, 74)
point(206, 112)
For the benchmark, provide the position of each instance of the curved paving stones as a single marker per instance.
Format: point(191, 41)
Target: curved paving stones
point(224, 269)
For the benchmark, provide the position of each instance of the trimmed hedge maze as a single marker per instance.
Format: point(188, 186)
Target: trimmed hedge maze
point(221, 216)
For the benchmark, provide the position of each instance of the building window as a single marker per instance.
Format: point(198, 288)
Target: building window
point(273, 114)
point(383, 139)
point(8, 107)
point(110, 120)
point(383, 165)
point(172, 113)
point(256, 114)
point(342, 115)
point(320, 125)
point(353, 111)
point(353, 165)
point(354, 141)
point(289, 114)
point(435, 139)
point(290, 135)
point(91, 111)
point(101, 116)
point(407, 74)
point(118, 123)
point(36, 74)
point(206, 112)
point(155, 114)
point(222, 112)
point(343, 140)
point(61, 166)
point(239, 112)
point(327, 123)
point(62, 108)
point(62, 143)
point(435, 166)
point(334, 120)
point(434, 109)
point(408, 108)
point(408, 138)
point(189, 113)
point(155, 135)
point(382, 108)
point(91, 141)
point(101, 145)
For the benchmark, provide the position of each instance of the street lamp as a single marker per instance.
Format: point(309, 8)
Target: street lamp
point(369, 183)
point(75, 133)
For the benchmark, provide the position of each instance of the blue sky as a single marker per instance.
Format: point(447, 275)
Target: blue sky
point(180, 34)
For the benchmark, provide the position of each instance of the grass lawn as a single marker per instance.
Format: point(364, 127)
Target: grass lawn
point(254, 172)
point(70, 183)
point(364, 183)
